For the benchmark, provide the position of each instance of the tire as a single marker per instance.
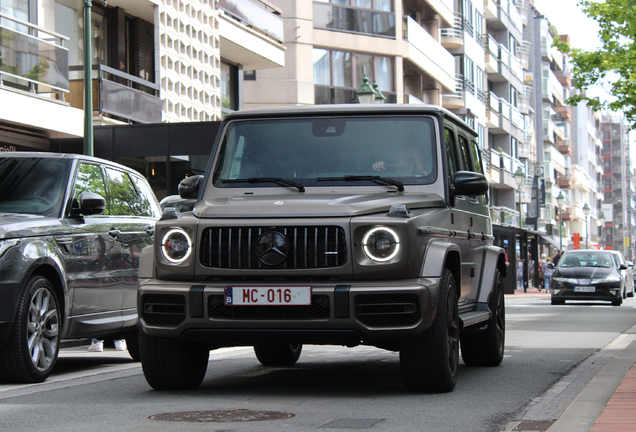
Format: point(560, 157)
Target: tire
point(278, 354)
point(485, 346)
point(556, 302)
point(32, 350)
point(170, 364)
point(617, 302)
point(132, 344)
point(624, 293)
point(430, 363)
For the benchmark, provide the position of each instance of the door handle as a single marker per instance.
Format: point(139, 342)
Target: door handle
point(114, 233)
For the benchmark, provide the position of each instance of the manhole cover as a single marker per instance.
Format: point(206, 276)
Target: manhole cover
point(534, 425)
point(238, 415)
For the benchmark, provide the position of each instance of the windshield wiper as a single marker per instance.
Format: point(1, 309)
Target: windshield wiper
point(375, 179)
point(279, 181)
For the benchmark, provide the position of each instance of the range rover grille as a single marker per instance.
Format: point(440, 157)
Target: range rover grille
point(308, 247)
point(163, 309)
point(319, 309)
point(388, 310)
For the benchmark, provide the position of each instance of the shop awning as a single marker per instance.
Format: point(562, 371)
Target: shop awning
point(551, 241)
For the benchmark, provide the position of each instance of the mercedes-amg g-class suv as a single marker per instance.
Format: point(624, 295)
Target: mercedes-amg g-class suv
point(340, 224)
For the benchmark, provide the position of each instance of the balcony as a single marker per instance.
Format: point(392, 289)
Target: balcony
point(425, 52)
point(504, 216)
point(564, 181)
point(456, 100)
point(565, 112)
point(453, 37)
point(564, 78)
point(252, 34)
point(117, 94)
point(565, 147)
point(566, 214)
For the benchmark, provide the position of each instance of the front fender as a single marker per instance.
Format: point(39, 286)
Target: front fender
point(435, 259)
point(494, 258)
point(147, 263)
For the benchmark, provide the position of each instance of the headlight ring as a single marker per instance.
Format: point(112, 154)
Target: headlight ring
point(381, 244)
point(176, 246)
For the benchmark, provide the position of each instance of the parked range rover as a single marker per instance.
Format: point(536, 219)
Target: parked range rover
point(342, 224)
point(71, 232)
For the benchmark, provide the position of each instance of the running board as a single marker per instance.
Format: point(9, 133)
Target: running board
point(474, 317)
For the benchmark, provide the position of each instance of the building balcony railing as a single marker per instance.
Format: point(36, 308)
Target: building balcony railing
point(453, 37)
point(565, 147)
point(564, 181)
point(504, 216)
point(117, 94)
point(426, 44)
point(257, 15)
point(565, 112)
point(32, 58)
point(356, 20)
point(564, 78)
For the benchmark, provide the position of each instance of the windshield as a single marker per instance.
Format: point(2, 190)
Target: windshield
point(322, 151)
point(33, 185)
point(586, 259)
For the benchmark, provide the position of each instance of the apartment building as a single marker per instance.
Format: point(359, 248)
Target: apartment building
point(618, 187)
point(331, 44)
point(153, 61)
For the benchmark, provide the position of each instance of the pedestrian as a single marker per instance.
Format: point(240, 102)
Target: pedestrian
point(542, 263)
point(519, 273)
point(547, 274)
point(557, 257)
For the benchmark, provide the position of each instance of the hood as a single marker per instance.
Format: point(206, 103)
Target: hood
point(311, 205)
point(585, 272)
point(14, 225)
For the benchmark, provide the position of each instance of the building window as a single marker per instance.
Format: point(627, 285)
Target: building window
point(338, 74)
point(229, 87)
point(468, 17)
point(374, 17)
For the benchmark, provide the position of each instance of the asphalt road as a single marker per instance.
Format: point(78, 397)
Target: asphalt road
point(552, 352)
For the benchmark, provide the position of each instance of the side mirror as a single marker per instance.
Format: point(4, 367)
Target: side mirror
point(470, 183)
point(90, 204)
point(189, 187)
point(630, 264)
point(623, 267)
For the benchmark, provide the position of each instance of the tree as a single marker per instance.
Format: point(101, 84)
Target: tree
point(614, 61)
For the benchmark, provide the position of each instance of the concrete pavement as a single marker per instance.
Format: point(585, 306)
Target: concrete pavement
point(608, 402)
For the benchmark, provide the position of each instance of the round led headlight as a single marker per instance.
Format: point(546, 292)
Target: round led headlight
point(381, 244)
point(176, 246)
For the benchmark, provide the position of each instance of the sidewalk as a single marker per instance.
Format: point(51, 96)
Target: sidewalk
point(608, 403)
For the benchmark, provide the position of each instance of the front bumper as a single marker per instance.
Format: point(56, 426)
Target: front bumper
point(601, 292)
point(345, 313)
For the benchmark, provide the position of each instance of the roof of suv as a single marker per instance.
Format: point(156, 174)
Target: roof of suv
point(348, 109)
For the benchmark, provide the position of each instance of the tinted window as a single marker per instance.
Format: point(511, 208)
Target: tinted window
point(477, 157)
point(90, 179)
point(124, 199)
point(33, 185)
point(450, 152)
point(147, 204)
point(464, 163)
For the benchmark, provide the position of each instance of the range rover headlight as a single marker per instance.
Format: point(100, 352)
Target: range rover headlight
point(176, 246)
point(8, 244)
point(381, 244)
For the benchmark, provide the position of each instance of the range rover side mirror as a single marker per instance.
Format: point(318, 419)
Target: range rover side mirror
point(90, 204)
point(189, 187)
point(470, 183)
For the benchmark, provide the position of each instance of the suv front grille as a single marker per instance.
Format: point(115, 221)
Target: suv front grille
point(318, 309)
point(308, 247)
point(163, 309)
point(388, 310)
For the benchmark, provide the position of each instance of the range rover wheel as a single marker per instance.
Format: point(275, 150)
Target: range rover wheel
point(32, 349)
point(554, 301)
point(485, 346)
point(430, 363)
point(278, 354)
point(171, 364)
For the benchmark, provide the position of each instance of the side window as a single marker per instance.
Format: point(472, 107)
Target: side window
point(479, 167)
point(464, 163)
point(90, 179)
point(450, 152)
point(147, 205)
point(124, 198)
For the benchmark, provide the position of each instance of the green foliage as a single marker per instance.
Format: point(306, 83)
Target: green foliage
point(38, 72)
point(616, 59)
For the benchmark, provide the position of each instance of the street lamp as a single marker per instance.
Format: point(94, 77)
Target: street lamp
point(379, 97)
point(560, 201)
point(586, 211)
point(365, 92)
point(520, 177)
point(601, 219)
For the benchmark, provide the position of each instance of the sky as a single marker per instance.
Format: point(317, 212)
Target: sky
point(569, 19)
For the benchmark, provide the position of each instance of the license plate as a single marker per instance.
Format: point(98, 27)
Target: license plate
point(267, 296)
point(584, 289)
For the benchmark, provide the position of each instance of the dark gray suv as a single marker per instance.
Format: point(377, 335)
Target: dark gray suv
point(335, 224)
point(71, 232)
